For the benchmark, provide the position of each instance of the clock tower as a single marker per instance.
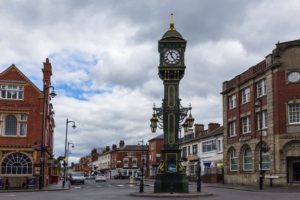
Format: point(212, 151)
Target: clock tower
point(171, 176)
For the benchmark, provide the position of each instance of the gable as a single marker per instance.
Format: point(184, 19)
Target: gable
point(13, 75)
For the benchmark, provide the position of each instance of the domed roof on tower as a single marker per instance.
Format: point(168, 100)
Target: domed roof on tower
point(172, 33)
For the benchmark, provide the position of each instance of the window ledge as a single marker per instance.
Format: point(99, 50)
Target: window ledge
point(248, 170)
point(246, 133)
point(12, 136)
point(294, 124)
point(245, 102)
point(261, 96)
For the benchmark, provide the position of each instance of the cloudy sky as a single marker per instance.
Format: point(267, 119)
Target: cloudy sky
point(104, 57)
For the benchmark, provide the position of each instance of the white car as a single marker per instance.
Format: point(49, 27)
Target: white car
point(77, 177)
point(100, 177)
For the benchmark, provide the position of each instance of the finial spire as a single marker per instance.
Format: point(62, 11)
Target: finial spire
point(172, 27)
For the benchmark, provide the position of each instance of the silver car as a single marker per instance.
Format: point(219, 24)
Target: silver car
point(100, 177)
point(77, 177)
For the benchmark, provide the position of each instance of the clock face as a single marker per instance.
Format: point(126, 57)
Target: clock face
point(294, 77)
point(172, 56)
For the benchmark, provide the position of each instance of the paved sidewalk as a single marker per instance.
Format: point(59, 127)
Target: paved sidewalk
point(55, 187)
point(50, 187)
point(274, 189)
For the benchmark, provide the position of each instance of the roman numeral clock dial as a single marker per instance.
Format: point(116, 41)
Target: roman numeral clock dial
point(172, 56)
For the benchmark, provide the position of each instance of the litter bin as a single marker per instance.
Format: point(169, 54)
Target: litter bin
point(31, 182)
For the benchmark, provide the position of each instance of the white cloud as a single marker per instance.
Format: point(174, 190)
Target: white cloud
point(104, 118)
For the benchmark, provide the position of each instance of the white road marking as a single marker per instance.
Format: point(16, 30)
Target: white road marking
point(11, 195)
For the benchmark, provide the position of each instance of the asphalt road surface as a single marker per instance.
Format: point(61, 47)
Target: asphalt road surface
point(121, 190)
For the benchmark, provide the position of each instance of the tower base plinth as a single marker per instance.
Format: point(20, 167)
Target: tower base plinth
point(171, 182)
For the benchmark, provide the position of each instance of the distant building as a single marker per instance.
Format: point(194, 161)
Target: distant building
point(21, 114)
point(155, 146)
point(103, 162)
point(85, 165)
point(125, 160)
point(264, 99)
point(204, 145)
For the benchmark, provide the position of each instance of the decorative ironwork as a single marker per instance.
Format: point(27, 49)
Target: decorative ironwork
point(184, 121)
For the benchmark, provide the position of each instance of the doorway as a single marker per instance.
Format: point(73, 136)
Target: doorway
point(294, 169)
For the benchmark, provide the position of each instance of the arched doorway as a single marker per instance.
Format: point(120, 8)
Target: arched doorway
point(292, 155)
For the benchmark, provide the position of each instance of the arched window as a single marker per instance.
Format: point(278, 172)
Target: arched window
point(16, 163)
point(233, 161)
point(247, 159)
point(265, 160)
point(10, 125)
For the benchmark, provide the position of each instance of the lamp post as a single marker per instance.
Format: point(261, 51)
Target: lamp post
point(142, 168)
point(258, 104)
point(199, 176)
point(46, 96)
point(69, 143)
point(66, 139)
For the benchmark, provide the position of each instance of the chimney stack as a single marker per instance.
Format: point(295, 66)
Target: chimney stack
point(199, 128)
point(47, 73)
point(122, 143)
point(114, 146)
point(107, 148)
point(213, 126)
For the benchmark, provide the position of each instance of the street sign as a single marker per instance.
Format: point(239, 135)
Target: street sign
point(271, 176)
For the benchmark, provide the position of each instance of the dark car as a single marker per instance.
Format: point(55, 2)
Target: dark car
point(77, 177)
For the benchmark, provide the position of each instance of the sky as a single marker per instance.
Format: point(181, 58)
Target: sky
point(104, 55)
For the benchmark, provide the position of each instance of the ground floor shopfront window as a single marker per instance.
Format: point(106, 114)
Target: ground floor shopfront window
point(16, 167)
point(16, 163)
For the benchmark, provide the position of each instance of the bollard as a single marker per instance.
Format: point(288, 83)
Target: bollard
point(131, 181)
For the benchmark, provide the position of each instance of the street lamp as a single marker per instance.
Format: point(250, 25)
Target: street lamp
point(46, 96)
point(185, 118)
point(199, 176)
point(66, 139)
point(69, 143)
point(258, 104)
point(142, 168)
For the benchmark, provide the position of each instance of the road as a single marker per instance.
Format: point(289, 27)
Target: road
point(120, 190)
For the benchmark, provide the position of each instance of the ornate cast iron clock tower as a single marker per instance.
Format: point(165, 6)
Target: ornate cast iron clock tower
point(171, 176)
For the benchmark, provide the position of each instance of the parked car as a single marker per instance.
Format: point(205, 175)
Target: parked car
point(77, 177)
point(100, 177)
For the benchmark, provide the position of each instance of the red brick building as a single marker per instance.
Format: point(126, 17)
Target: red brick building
point(21, 114)
point(127, 159)
point(155, 146)
point(273, 85)
point(84, 165)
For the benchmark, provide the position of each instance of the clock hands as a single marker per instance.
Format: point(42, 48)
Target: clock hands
point(172, 56)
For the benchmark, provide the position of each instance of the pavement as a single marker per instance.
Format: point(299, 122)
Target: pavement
point(148, 182)
point(50, 187)
point(253, 188)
